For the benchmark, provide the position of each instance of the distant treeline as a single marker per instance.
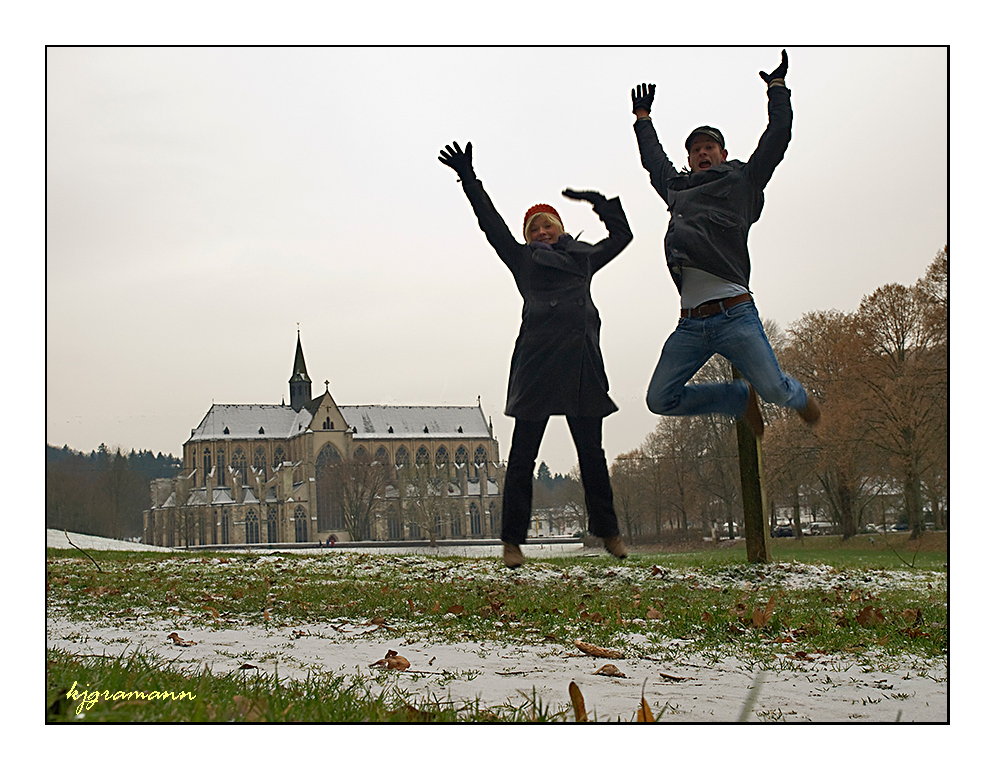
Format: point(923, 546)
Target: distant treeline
point(104, 492)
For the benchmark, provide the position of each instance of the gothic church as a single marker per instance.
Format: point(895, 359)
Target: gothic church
point(260, 473)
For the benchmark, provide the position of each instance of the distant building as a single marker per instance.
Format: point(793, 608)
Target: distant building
point(261, 473)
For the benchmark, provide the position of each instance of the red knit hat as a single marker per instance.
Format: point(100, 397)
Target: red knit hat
point(540, 208)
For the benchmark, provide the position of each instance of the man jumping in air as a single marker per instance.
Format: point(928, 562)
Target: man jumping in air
point(712, 207)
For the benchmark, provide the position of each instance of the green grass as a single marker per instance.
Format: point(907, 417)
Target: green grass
point(823, 595)
point(130, 689)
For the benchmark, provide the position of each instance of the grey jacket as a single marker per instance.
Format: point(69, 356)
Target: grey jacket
point(711, 211)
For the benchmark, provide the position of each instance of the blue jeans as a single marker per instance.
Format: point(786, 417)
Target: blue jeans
point(735, 334)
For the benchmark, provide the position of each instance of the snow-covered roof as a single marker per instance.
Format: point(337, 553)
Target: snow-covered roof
point(253, 421)
point(386, 422)
point(245, 421)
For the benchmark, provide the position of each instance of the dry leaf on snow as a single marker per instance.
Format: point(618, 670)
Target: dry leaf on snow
point(597, 652)
point(577, 699)
point(644, 714)
point(392, 661)
point(180, 642)
point(610, 669)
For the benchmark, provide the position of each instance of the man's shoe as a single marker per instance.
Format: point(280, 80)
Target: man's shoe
point(753, 416)
point(513, 558)
point(811, 412)
point(616, 546)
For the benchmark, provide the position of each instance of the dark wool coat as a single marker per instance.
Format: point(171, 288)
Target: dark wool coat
point(711, 211)
point(556, 367)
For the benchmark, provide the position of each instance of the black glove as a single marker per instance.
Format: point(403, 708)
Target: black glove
point(459, 161)
point(590, 196)
point(642, 97)
point(780, 72)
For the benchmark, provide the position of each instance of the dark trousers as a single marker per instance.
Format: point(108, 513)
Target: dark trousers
point(517, 503)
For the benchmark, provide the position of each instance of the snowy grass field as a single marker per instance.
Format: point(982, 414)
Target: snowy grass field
point(828, 633)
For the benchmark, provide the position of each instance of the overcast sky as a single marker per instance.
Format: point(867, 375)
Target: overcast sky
point(205, 203)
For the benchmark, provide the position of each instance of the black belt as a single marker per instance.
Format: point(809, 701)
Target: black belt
point(707, 309)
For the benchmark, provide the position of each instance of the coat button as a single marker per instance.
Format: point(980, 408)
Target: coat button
point(580, 302)
point(552, 302)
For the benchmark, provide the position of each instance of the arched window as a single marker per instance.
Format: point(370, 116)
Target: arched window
point(251, 527)
point(395, 528)
point(259, 463)
point(225, 526)
point(278, 457)
point(462, 456)
point(441, 457)
point(480, 456)
point(328, 424)
point(271, 536)
point(329, 480)
point(421, 456)
point(361, 455)
point(222, 470)
point(381, 455)
point(401, 457)
point(239, 464)
point(328, 455)
point(456, 524)
point(474, 519)
point(207, 465)
point(300, 525)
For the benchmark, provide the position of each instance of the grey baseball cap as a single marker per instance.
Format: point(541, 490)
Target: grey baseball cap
point(707, 131)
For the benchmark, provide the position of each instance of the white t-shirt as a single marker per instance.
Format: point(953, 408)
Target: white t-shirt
point(698, 287)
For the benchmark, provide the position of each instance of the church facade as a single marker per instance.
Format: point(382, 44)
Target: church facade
point(260, 473)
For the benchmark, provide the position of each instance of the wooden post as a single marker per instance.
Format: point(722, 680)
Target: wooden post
point(751, 477)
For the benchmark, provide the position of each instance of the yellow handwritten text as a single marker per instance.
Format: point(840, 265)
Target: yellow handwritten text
point(88, 698)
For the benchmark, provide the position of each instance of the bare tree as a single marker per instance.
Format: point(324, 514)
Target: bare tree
point(907, 378)
point(429, 498)
point(356, 487)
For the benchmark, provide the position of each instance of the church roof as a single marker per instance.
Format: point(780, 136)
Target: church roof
point(245, 421)
point(386, 422)
point(254, 421)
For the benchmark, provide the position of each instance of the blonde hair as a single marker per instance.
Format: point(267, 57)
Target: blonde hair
point(545, 215)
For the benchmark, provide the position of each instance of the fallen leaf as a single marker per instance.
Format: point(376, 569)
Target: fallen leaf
point(597, 652)
point(653, 614)
point(246, 666)
point(180, 642)
point(644, 714)
point(610, 669)
point(248, 709)
point(577, 699)
point(870, 617)
point(762, 617)
point(392, 661)
point(456, 609)
point(672, 678)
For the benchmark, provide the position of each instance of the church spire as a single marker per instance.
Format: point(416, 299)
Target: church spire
point(300, 383)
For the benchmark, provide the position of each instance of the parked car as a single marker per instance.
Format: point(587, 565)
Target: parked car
point(818, 528)
point(900, 527)
point(783, 530)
